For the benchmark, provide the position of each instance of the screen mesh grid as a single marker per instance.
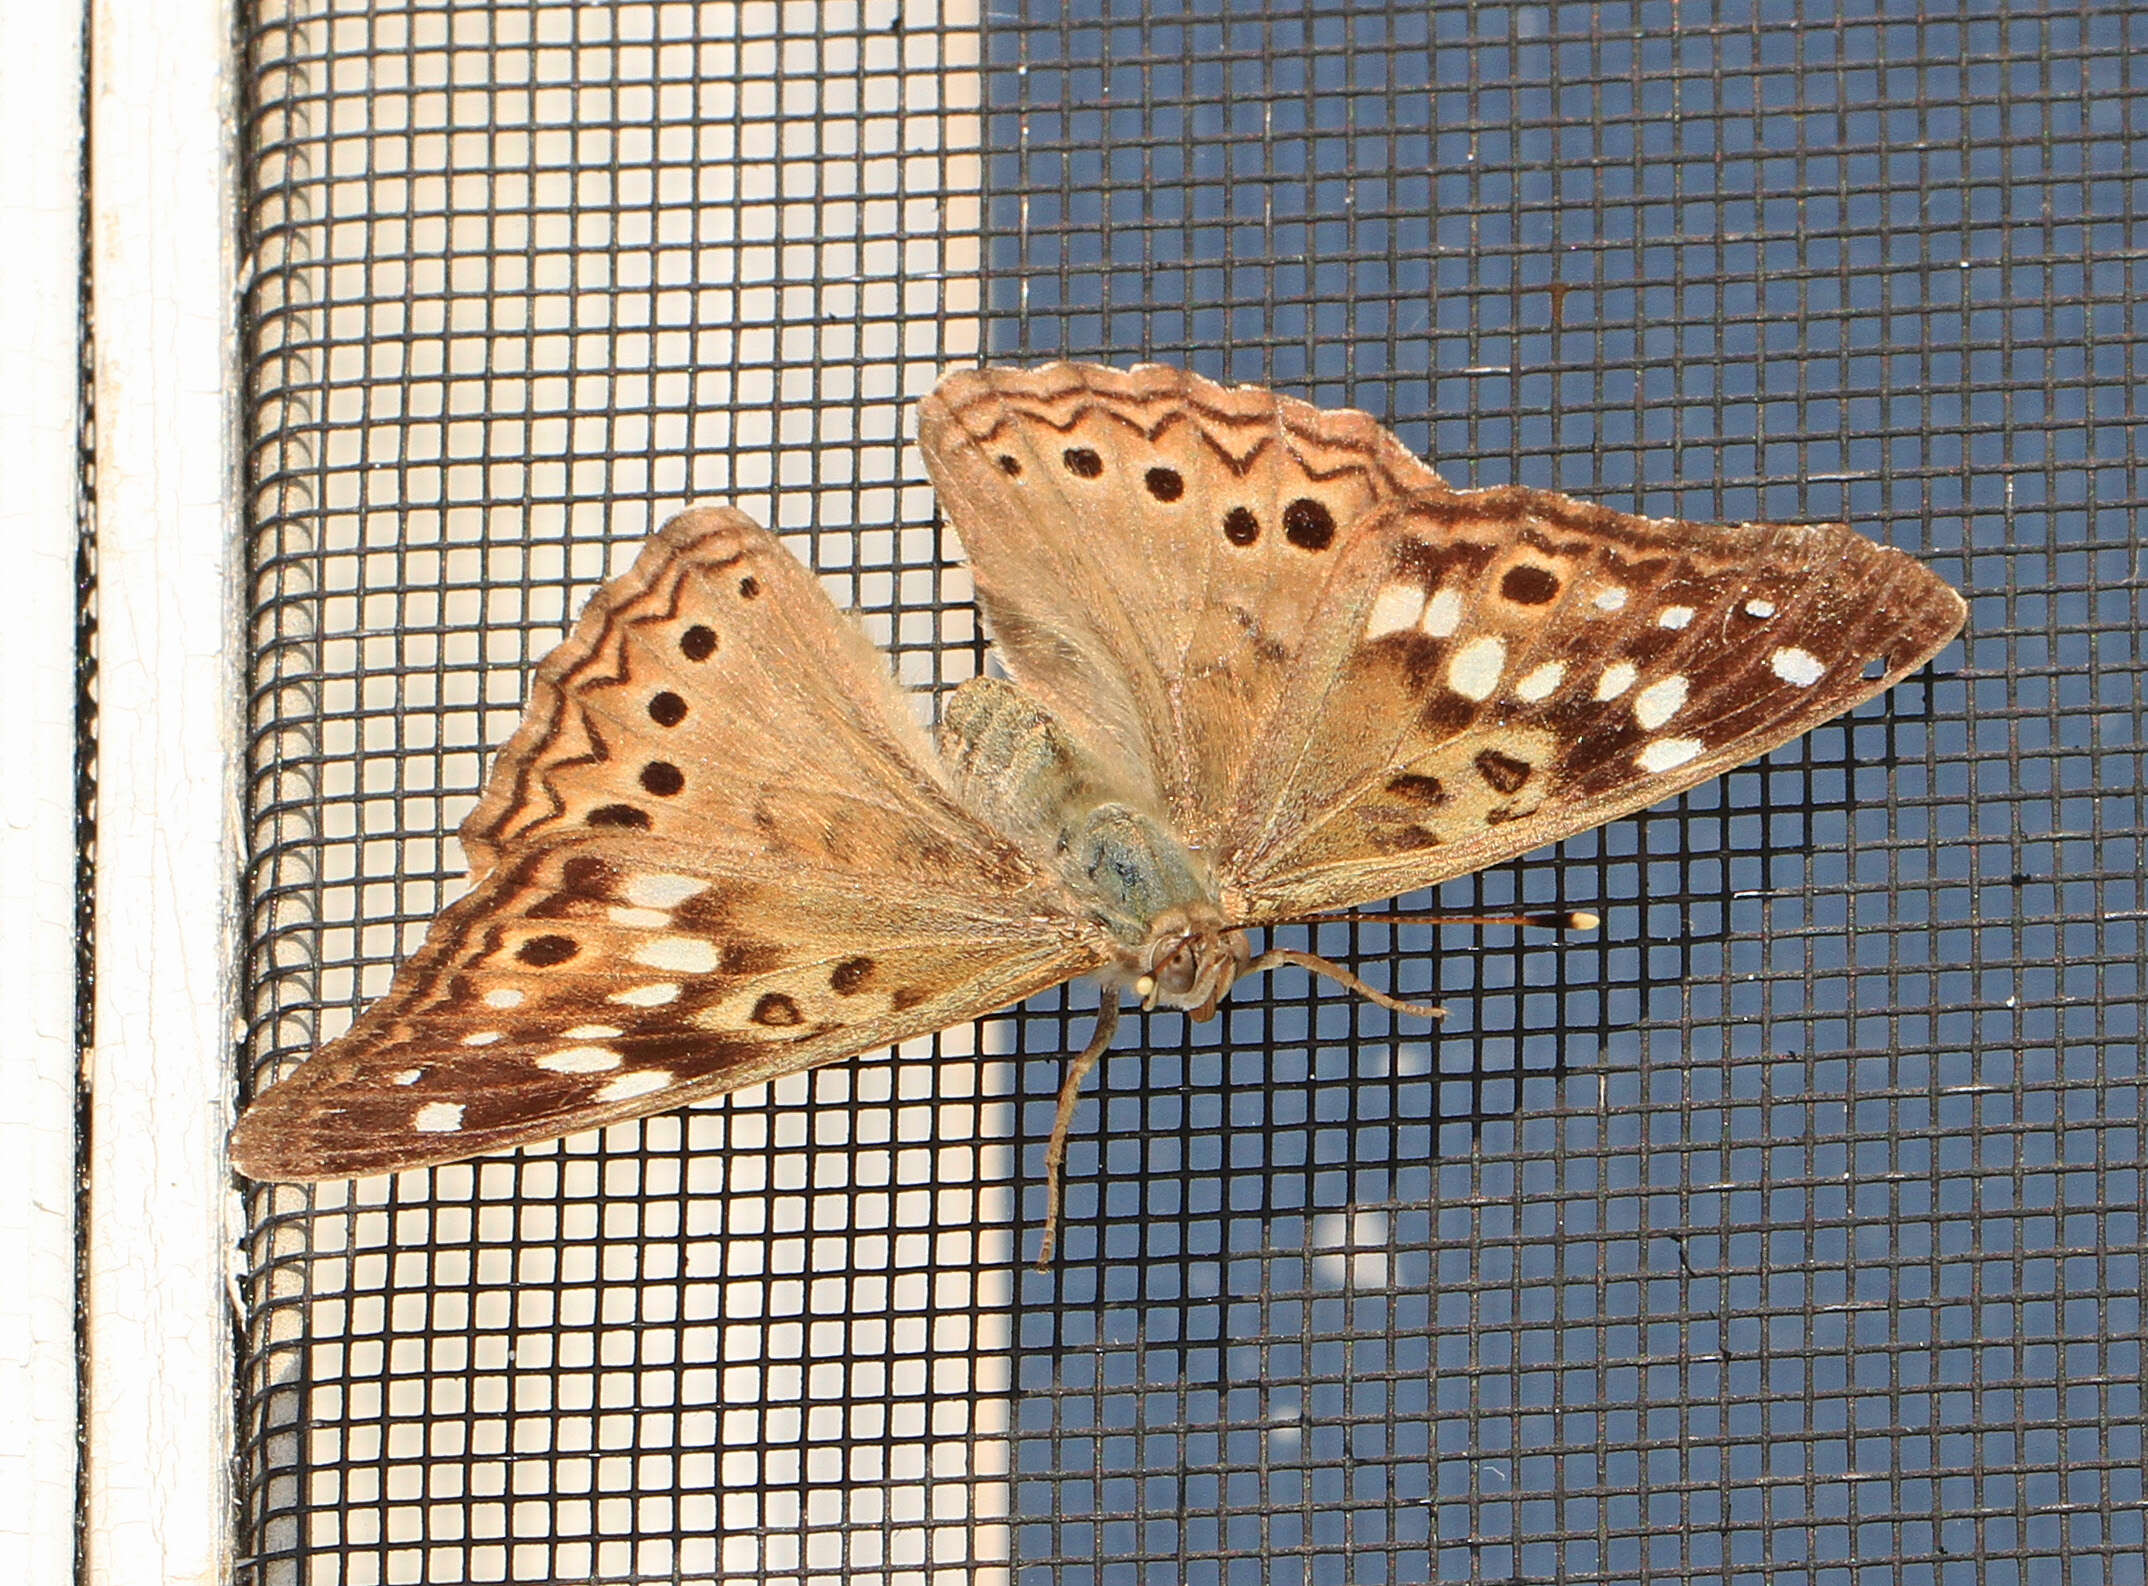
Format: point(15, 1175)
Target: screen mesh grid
point(1787, 1229)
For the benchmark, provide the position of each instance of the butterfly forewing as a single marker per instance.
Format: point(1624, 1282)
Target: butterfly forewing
point(716, 851)
point(1149, 550)
point(597, 978)
point(1492, 671)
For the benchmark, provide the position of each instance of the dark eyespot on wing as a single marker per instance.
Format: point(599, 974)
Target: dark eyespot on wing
point(542, 952)
point(1529, 585)
point(1308, 524)
point(777, 1011)
point(1404, 839)
point(1413, 788)
point(625, 815)
point(1503, 771)
point(698, 643)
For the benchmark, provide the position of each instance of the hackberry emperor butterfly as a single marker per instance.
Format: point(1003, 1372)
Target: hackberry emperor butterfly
point(1265, 665)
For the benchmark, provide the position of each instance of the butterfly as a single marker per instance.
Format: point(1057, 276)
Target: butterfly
point(1262, 664)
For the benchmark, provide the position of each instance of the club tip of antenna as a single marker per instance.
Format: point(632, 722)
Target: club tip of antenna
point(1568, 920)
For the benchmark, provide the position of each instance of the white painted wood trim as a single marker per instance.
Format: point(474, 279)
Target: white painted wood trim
point(162, 273)
point(41, 191)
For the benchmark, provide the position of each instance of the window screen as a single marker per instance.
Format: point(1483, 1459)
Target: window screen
point(1787, 1229)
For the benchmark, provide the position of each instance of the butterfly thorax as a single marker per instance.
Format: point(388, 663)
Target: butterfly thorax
point(1155, 898)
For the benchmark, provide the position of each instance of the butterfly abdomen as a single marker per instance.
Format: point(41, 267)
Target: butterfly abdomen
point(1011, 761)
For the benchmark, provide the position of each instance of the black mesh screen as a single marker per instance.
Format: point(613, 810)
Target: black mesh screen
point(1788, 1229)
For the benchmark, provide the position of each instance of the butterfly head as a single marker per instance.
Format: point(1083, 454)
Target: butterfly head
point(1189, 960)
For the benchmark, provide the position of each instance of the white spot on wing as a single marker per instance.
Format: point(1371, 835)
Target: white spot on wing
point(1800, 667)
point(682, 955)
point(1667, 754)
point(1617, 678)
point(484, 1037)
point(639, 1083)
point(1757, 607)
point(1660, 701)
point(438, 1117)
point(591, 1032)
point(1674, 616)
point(640, 919)
point(1396, 609)
point(1474, 671)
point(650, 996)
point(503, 997)
point(407, 1076)
point(662, 892)
point(1443, 614)
point(581, 1060)
point(1612, 599)
point(1540, 681)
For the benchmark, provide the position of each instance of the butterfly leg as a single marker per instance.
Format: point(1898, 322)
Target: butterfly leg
point(1055, 1154)
point(1342, 977)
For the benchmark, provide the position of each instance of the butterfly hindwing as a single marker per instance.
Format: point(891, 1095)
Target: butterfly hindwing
point(716, 851)
point(712, 693)
point(1149, 549)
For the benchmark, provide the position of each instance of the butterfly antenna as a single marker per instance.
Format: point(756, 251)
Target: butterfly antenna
point(1055, 1154)
point(1331, 970)
point(1547, 920)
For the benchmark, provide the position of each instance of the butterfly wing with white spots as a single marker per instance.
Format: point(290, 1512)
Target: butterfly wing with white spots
point(1343, 679)
point(716, 851)
point(1496, 670)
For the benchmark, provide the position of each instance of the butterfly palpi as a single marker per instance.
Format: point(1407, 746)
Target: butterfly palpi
point(1262, 664)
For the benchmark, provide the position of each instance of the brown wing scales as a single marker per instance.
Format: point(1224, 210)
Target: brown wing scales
point(1149, 549)
point(1496, 670)
point(716, 851)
